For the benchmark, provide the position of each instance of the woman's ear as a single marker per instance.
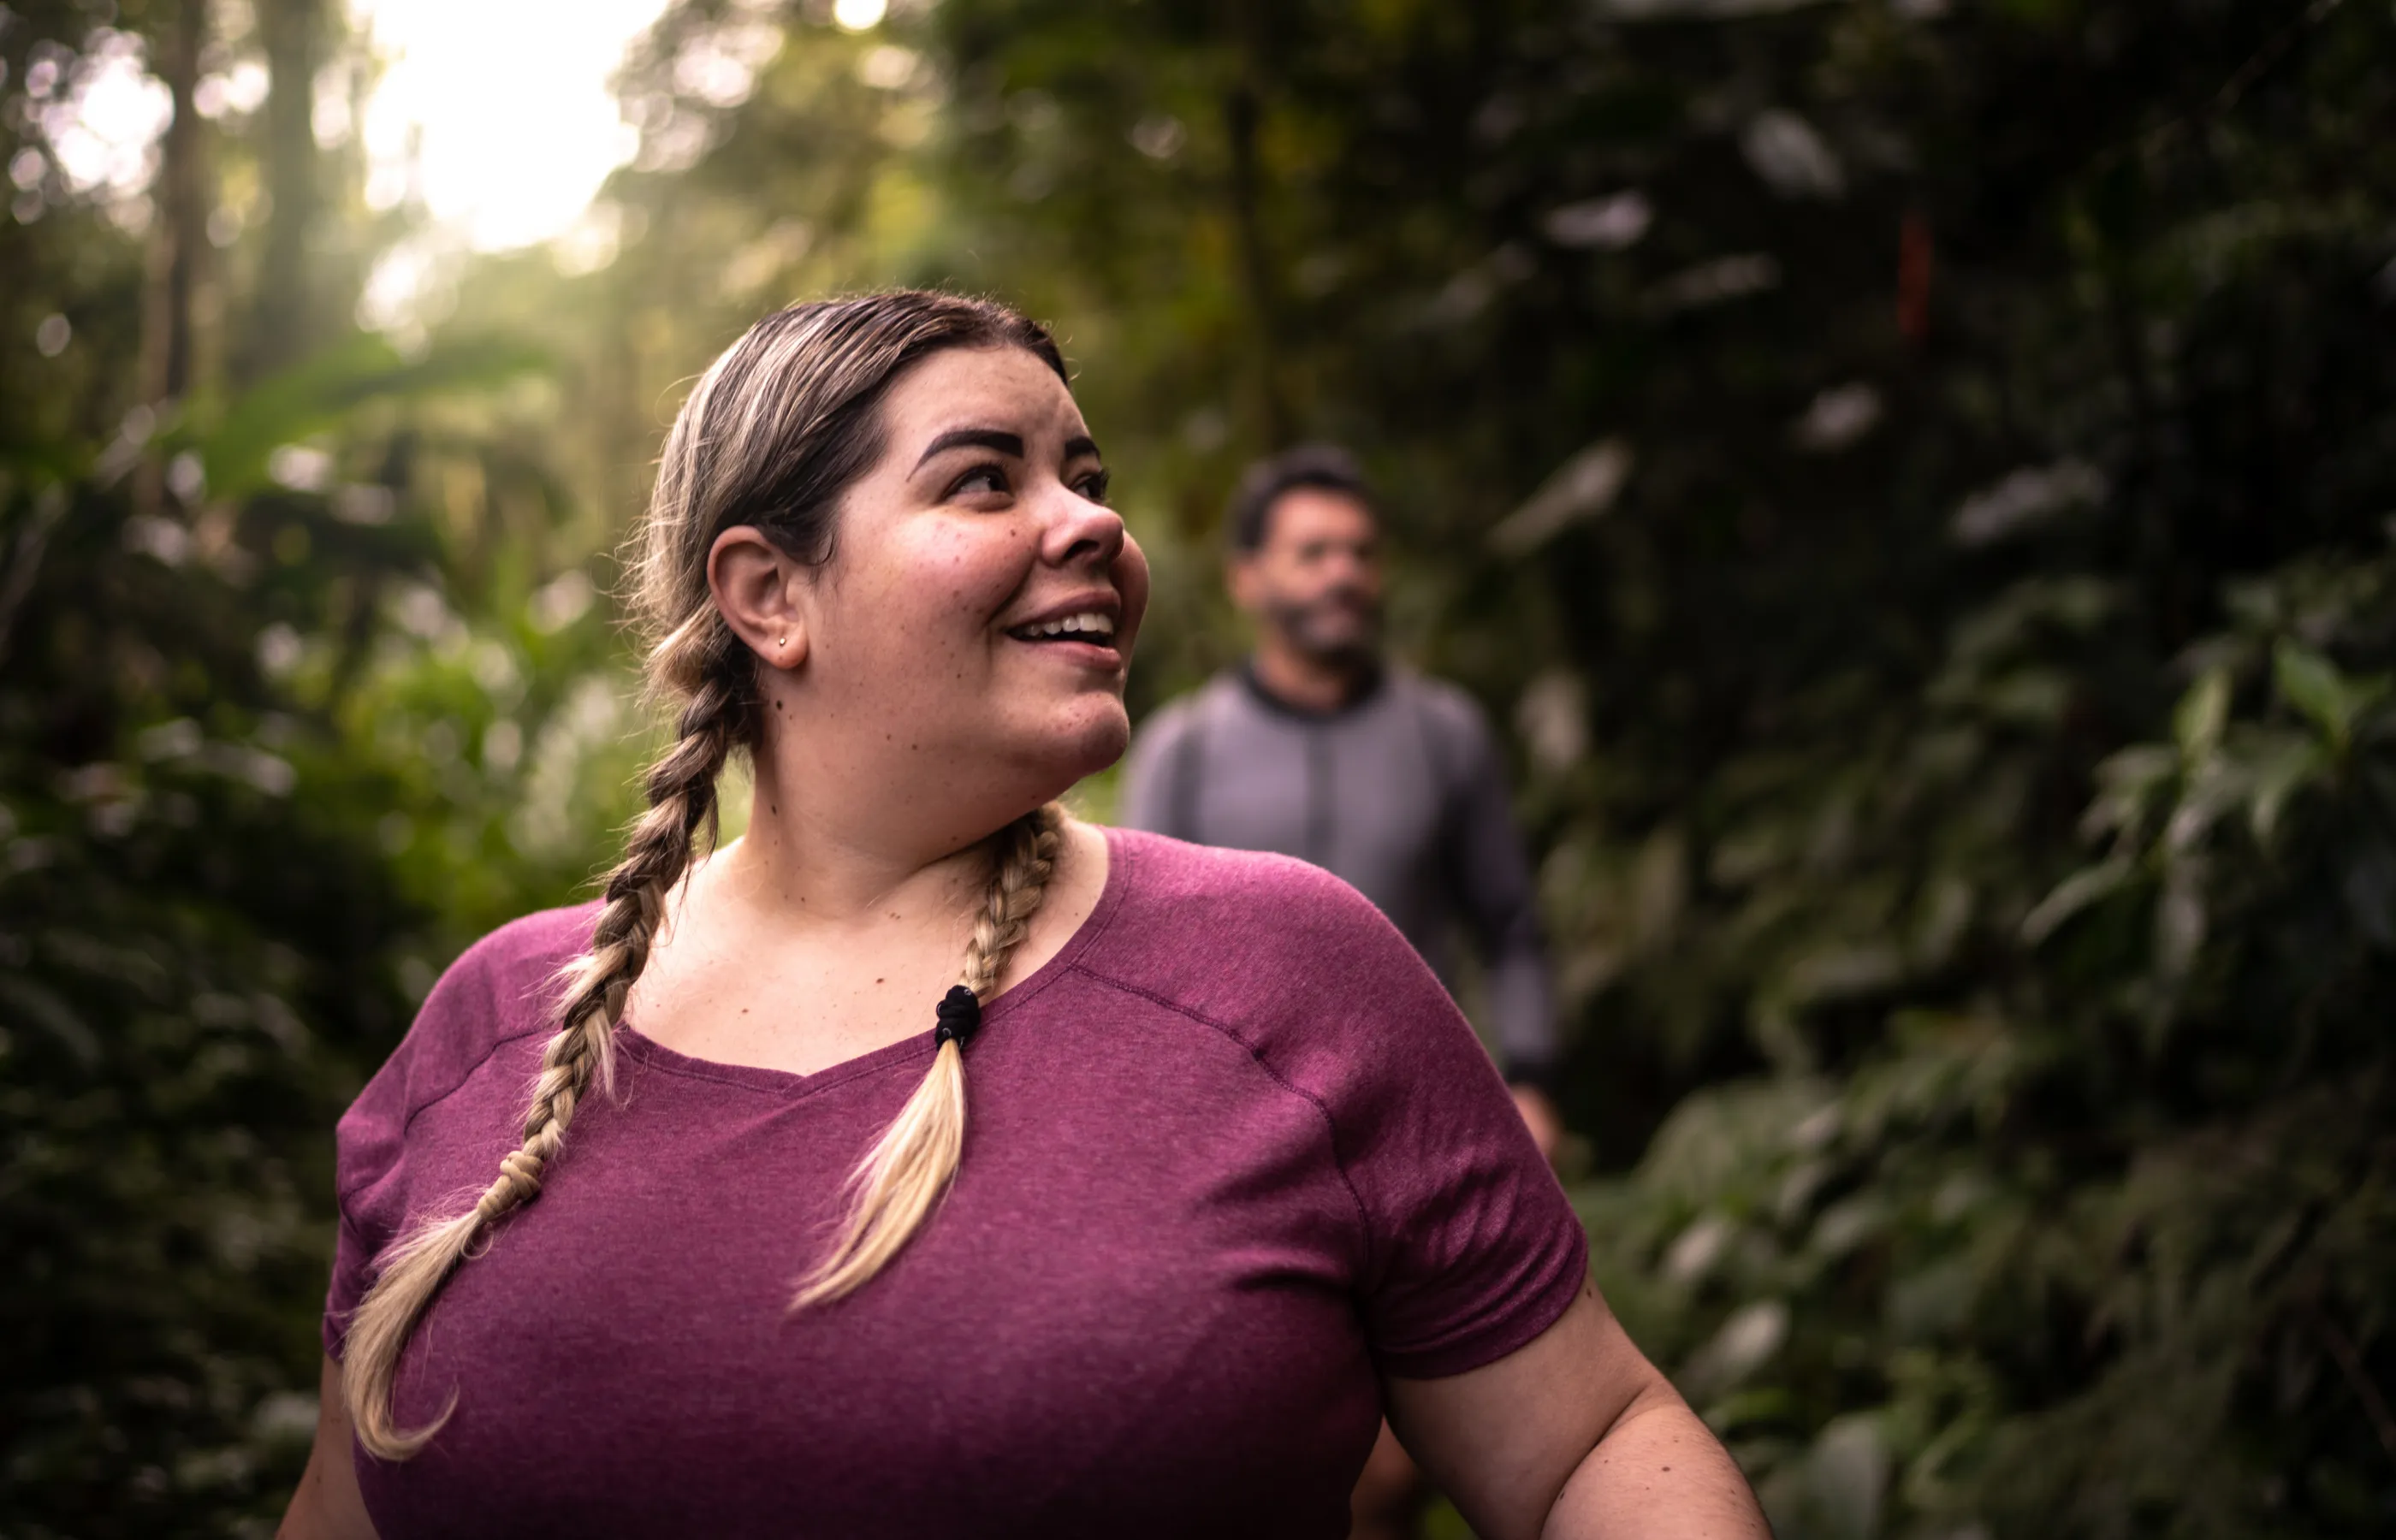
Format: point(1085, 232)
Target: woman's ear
point(758, 589)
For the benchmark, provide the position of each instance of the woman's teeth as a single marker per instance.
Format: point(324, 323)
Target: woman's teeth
point(1089, 625)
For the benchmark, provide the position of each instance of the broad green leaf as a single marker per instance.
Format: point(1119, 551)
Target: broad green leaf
point(2310, 682)
point(2197, 721)
point(2280, 772)
point(322, 391)
point(2076, 892)
point(2181, 917)
point(1745, 1342)
point(1847, 1476)
point(2128, 783)
point(2313, 685)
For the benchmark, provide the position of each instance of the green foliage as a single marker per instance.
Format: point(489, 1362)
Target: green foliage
point(1918, 478)
point(326, 392)
point(259, 780)
point(1915, 477)
point(195, 969)
point(255, 789)
point(2098, 1253)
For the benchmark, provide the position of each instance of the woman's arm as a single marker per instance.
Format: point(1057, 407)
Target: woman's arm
point(327, 1506)
point(1575, 1437)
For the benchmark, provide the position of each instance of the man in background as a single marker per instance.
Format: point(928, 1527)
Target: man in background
point(1319, 748)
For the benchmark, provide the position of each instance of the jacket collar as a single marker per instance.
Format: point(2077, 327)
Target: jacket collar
point(1373, 684)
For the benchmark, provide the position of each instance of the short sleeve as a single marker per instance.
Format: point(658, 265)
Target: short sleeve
point(1475, 1249)
point(367, 1145)
point(353, 1254)
point(1470, 1249)
point(471, 1011)
point(366, 1130)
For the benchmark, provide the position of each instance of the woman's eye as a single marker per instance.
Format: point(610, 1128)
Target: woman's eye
point(981, 478)
point(1094, 486)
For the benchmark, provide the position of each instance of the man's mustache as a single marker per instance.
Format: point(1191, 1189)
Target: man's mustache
point(1345, 596)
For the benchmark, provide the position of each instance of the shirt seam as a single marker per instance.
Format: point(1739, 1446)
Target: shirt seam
point(490, 990)
point(1330, 1124)
point(465, 1078)
point(407, 1125)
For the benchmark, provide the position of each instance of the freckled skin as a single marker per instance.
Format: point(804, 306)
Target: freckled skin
point(904, 634)
point(910, 721)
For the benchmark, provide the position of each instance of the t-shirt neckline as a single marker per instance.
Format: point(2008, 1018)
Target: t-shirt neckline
point(637, 1045)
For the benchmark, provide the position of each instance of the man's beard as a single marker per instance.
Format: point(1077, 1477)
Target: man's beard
point(1341, 627)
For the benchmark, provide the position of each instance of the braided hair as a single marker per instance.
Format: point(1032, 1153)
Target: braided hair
point(776, 429)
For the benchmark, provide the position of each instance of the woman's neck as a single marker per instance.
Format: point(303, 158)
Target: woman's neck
point(822, 870)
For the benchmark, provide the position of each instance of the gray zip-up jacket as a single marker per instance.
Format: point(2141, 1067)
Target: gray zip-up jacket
point(1401, 793)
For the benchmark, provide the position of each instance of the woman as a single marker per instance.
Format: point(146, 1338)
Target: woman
point(1235, 1173)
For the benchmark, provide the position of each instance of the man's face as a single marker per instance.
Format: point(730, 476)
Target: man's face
point(1316, 579)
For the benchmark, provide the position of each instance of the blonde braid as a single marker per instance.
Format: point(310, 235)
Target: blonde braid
point(682, 799)
point(910, 1167)
point(773, 435)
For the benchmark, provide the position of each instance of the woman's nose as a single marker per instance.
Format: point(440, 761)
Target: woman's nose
point(1080, 531)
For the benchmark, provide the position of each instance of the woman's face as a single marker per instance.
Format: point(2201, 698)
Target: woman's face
point(975, 622)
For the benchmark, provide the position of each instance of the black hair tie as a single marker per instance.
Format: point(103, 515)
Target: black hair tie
point(960, 1013)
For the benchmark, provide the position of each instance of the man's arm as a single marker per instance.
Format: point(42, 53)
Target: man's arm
point(1495, 892)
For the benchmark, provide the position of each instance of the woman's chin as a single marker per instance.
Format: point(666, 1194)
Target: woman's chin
point(1080, 744)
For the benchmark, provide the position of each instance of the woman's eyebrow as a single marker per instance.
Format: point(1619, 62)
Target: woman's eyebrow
point(976, 438)
point(1078, 446)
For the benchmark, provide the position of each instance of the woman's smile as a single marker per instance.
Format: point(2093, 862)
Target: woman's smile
point(1078, 629)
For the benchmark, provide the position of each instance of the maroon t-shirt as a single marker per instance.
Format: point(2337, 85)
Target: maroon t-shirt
point(1231, 1154)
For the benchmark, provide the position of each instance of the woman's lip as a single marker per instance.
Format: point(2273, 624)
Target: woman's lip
point(1098, 655)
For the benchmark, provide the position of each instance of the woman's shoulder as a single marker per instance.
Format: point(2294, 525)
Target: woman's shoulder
point(501, 982)
point(499, 990)
point(536, 944)
point(1241, 935)
point(1243, 889)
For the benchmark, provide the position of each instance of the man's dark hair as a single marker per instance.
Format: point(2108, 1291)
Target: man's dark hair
point(1320, 465)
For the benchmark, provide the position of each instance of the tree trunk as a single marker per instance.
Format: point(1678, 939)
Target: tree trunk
point(282, 325)
point(1242, 110)
point(178, 235)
